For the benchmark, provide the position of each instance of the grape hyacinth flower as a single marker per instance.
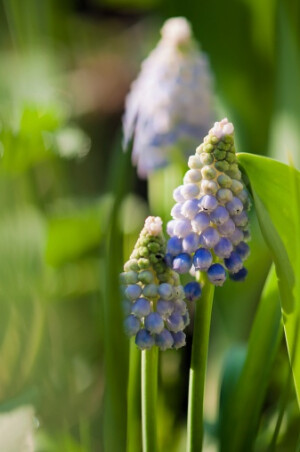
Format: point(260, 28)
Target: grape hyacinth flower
point(156, 313)
point(170, 103)
point(210, 227)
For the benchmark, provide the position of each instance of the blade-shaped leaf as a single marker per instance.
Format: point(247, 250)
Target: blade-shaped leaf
point(276, 187)
point(249, 388)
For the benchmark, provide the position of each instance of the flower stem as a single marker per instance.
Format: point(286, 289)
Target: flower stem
point(198, 368)
point(149, 397)
point(133, 399)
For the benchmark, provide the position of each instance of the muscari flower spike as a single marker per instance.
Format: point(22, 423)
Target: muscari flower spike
point(210, 226)
point(170, 103)
point(156, 313)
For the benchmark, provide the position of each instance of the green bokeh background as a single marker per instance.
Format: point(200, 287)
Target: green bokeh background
point(71, 206)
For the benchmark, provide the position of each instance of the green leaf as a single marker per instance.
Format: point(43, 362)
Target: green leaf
point(250, 388)
point(276, 192)
point(76, 229)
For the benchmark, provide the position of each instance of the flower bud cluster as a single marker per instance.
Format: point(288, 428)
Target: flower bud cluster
point(170, 103)
point(210, 226)
point(156, 313)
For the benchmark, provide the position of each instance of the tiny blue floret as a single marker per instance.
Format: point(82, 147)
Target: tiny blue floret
point(182, 263)
point(192, 290)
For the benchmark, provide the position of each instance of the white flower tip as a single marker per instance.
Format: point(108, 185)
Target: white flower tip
point(153, 225)
point(176, 31)
point(222, 128)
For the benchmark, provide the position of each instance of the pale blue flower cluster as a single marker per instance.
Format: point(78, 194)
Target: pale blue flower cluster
point(210, 227)
point(170, 103)
point(156, 313)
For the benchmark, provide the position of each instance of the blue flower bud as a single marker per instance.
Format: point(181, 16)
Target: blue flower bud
point(169, 260)
point(200, 222)
point(227, 228)
point(144, 340)
point(177, 195)
point(165, 291)
point(208, 203)
point(223, 248)
point(154, 323)
point(180, 306)
point(141, 307)
point(209, 238)
point(202, 259)
point(182, 228)
point(126, 307)
point(190, 208)
point(240, 275)
point(182, 263)
point(174, 246)
point(178, 292)
point(179, 339)
point(193, 175)
point(235, 206)
point(243, 250)
point(234, 263)
point(164, 340)
point(175, 322)
point(190, 191)
point(133, 291)
point(164, 307)
point(190, 243)
point(176, 211)
point(170, 227)
point(186, 319)
point(150, 291)
point(241, 219)
point(220, 215)
point(236, 237)
point(216, 274)
point(192, 290)
point(131, 325)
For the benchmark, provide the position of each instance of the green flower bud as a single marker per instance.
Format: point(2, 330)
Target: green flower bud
point(206, 159)
point(208, 172)
point(208, 148)
point(194, 162)
point(219, 155)
point(154, 247)
point(146, 277)
point(132, 264)
point(209, 187)
point(230, 157)
point(222, 166)
point(143, 263)
point(236, 186)
point(224, 181)
point(224, 195)
point(150, 291)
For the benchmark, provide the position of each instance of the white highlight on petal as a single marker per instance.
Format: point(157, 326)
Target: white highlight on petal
point(176, 31)
point(222, 128)
point(153, 225)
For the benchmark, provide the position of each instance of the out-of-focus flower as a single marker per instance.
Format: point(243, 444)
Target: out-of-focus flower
point(170, 103)
point(210, 224)
point(156, 313)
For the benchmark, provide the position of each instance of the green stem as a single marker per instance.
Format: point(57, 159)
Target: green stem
point(133, 399)
point(198, 368)
point(149, 397)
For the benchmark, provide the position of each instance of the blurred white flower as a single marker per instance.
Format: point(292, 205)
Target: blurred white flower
point(170, 103)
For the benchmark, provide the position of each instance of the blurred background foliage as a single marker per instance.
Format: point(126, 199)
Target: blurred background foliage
point(71, 209)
